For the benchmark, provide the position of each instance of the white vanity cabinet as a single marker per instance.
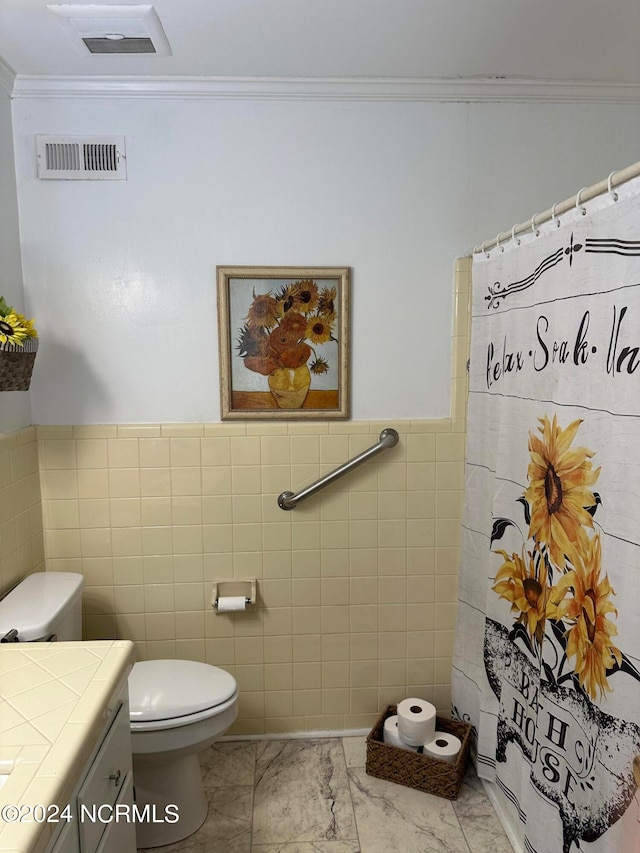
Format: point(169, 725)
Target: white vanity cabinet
point(102, 803)
point(67, 841)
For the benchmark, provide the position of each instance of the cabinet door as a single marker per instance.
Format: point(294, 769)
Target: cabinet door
point(105, 778)
point(120, 835)
point(68, 841)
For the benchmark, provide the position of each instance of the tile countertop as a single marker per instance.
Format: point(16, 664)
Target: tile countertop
point(54, 702)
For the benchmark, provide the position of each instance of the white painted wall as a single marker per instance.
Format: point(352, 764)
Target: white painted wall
point(121, 275)
point(15, 410)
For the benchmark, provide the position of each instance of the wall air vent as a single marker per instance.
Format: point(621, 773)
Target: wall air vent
point(85, 158)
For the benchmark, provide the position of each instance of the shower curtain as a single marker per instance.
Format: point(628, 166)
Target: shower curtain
point(547, 651)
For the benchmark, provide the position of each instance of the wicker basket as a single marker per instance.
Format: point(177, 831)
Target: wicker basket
point(414, 769)
point(16, 365)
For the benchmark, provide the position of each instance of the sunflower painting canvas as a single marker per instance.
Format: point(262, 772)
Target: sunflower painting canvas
point(283, 342)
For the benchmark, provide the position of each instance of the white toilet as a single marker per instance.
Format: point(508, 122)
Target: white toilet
point(177, 708)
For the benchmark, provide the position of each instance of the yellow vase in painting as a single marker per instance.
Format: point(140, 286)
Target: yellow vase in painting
point(289, 386)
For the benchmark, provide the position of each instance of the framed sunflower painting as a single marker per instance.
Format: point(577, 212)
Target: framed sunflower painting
point(283, 341)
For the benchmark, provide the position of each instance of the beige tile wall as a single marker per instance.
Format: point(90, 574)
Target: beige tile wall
point(357, 587)
point(21, 541)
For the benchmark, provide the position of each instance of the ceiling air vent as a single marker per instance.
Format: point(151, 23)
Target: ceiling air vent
point(113, 29)
point(117, 43)
point(85, 158)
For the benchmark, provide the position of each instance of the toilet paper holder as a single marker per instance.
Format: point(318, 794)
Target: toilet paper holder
point(222, 589)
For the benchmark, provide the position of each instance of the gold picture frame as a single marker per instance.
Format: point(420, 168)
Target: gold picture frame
point(283, 335)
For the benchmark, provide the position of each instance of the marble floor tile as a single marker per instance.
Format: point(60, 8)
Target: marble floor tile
point(228, 762)
point(309, 847)
point(227, 828)
point(302, 792)
point(394, 818)
point(305, 795)
point(478, 820)
point(355, 750)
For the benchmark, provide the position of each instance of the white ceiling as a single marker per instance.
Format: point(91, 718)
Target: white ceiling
point(561, 40)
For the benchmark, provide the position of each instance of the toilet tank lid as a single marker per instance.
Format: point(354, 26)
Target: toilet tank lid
point(38, 603)
point(166, 689)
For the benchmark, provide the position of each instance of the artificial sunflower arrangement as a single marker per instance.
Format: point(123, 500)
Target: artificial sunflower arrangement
point(15, 329)
point(281, 330)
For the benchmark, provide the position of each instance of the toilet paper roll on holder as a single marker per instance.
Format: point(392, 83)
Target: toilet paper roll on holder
point(222, 589)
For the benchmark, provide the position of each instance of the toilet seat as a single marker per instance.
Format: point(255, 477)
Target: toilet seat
point(165, 694)
point(185, 720)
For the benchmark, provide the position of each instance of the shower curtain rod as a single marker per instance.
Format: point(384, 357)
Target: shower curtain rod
point(615, 179)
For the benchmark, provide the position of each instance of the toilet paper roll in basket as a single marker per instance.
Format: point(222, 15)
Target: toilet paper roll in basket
point(230, 603)
point(391, 735)
point(416, 721)
point(444, 746)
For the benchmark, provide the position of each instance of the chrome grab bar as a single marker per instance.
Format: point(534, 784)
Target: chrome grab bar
point(388, 438)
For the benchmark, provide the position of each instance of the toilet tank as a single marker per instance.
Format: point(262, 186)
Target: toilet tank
point(42, 605)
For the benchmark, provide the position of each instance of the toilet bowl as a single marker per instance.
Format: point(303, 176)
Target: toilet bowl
point(177, 708)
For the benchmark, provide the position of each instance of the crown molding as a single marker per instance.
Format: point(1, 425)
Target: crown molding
point(339, 89)
point(7, 78)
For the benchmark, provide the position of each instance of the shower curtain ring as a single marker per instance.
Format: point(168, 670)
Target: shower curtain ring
point(612, 192)
point(498, 246)
point(513, 235)
point(578, 205)
point(484, 251)
point(535, 230)
point(553, 215)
